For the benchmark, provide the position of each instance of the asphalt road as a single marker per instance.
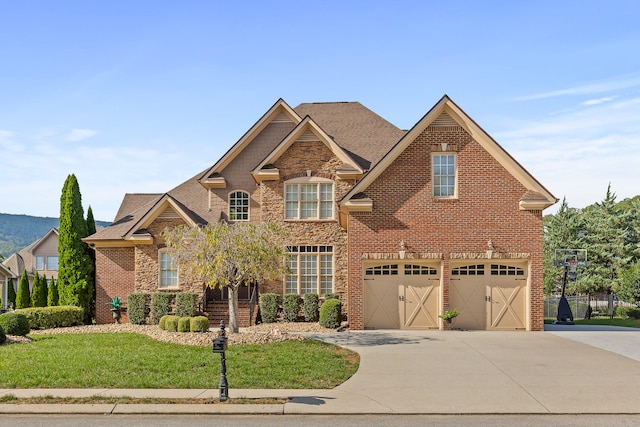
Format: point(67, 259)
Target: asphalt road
point(320, 420)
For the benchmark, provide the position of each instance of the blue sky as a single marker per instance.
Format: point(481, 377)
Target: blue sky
point(138, 96)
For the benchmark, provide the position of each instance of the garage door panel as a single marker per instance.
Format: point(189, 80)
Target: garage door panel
point(420, 305)
point(381, 303)
point(508, 307)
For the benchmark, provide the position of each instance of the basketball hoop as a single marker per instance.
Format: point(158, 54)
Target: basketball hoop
point(573, 266)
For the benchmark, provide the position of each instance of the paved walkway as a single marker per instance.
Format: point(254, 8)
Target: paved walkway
point(437, 372)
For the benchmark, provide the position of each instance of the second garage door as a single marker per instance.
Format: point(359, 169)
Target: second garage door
point(489, 296)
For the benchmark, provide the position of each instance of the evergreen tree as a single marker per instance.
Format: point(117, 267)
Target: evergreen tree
point(23, 298)
point(52, 294)
point(75, 268)
point(611, 240)
point(11, 295)
point(91, 223)
point(39, 291)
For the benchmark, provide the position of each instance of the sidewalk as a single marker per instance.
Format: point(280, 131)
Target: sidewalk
point(429, 372)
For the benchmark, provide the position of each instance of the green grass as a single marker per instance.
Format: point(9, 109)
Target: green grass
point(606, 321)
point(127, 360)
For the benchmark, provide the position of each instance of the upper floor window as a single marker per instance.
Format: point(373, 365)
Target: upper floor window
point(444, 175)
point(239, 206)
point(52, 262)
point(39, 262)
point(309, 199)
point(168, 270)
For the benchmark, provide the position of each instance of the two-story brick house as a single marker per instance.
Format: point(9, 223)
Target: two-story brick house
point(402, 225)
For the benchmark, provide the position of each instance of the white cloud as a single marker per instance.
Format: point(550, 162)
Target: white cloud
point(76, 135)
point(598, 101)
point(587, 89)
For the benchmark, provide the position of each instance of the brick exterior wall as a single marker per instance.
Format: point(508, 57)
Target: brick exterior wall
point(115, 269)
point(486, 209)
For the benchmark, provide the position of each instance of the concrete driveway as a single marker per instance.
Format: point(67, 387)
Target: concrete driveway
point(479, 372)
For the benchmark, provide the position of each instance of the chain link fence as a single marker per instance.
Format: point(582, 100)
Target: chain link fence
point(601, 304)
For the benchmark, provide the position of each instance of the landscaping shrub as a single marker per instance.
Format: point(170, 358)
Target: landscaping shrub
point(137, 308)
point(184, 324)
point(331, 314)
point(162, 323)
point(14, 323)
point(634, 313)
point(23, 297)
point(331, 295)
point(623, 311)
point(291, 307)
point(311, 307)
point(186, 304)
point(39, 291)
point(171, 323)
point(269, 307)
point(52, 293)
point(199, 324)
point(3, 337)
point(53, 317)
point(160, 305)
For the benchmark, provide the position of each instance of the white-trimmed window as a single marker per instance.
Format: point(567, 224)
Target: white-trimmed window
point(310, 270)
point(444, 175)
point(239, 206)
point(309, 199)
point(52, 262)
point(39, 262)
point(168, 270)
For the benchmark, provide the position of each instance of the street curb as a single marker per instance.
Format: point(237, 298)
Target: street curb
point(138, 409)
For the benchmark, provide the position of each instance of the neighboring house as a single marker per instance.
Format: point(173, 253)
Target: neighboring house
point(41, 256)
point(401, 224)
point(6, 277)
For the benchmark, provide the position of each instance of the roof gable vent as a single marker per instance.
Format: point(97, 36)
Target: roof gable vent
point(282, 117)
point(169, 213)
point(308, 136)
point(444, 119)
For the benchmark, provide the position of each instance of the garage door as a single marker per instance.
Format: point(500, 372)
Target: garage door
point(489, 296)
point(405, 296)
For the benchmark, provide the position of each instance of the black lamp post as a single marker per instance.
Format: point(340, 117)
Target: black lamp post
point(219, 346)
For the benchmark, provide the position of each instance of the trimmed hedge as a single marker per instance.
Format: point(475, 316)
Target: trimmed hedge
point(53, 317)
point(161, 305)
point(331, 314)
point(3, 336)
point(269, 307)
point(184, 324)
point(171, 323)
point(291, 307)
point(186, 304)
point(14, 323)
point(199, 324)
point(331, 295)
point(137, 308)
point(162, 323)
point(311, 307)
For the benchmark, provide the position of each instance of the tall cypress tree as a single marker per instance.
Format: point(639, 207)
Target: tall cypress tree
point(91, 223)
point(23, 298)
point(39, 291)
point(75, 268)
point(52, 294)
point(11, 295)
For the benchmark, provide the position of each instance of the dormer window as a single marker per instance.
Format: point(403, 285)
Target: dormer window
point(239, 206)
point(309, 199)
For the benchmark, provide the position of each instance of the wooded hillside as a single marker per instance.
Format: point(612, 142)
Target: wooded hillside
point(18, 231)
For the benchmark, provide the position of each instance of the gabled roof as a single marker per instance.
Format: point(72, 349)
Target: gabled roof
point(7, 272)
point(132, 228)
point(278, 111)
point(53, 232)
point(537, 196)
point(360, 132)
point(306, 127)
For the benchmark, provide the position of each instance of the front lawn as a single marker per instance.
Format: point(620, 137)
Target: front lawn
point(129, 360)
point(605, 321)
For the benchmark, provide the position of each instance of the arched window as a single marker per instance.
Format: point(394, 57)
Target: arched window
point(239, 206)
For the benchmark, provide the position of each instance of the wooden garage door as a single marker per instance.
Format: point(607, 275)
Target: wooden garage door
point(405, 296)
point(489, 296)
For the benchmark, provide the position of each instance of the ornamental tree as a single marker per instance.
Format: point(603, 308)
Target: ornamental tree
point(228, 255)
point(23, 297)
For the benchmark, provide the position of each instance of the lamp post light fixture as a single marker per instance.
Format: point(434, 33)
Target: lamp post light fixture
point(219, 346)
